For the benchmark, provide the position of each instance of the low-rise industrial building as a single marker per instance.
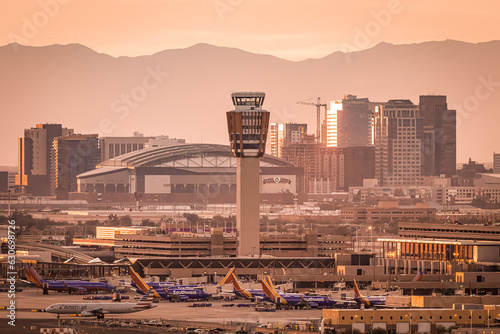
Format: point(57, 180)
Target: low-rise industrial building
point(425, 320)
point(219, 243)
point(388, 211)
point(479, 232)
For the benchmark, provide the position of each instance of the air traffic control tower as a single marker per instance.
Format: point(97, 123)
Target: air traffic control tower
point(247, 125)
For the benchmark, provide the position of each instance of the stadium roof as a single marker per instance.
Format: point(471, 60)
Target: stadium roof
point(186, 155)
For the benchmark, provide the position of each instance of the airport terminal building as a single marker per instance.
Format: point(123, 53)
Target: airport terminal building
point(182, 173)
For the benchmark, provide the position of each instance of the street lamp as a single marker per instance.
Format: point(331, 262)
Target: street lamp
point(371, 237)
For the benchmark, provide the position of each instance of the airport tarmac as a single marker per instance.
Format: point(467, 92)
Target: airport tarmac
point(33, 299)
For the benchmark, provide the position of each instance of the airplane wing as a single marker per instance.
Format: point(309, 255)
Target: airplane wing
point(225, 292)
point(142, 286)
point(390, 307)
point(94, 312)
point(345, 303)
point(27, 282)
point(74, 288)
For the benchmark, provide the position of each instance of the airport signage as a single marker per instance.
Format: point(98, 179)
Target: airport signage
point(277, 180)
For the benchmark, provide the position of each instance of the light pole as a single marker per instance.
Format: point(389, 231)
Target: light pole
point(371, 237)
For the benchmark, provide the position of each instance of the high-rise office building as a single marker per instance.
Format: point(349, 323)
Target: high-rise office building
point(399, 134)
point(354, 122)
point(329, 169)
point(276, 137)
point(307, 154)
point(496, 163)
point(34, 163)
point(359, 164)
point(439, 151)
point(114, 146)
point(294, 133)
point(332, 123)
point(349, 122)
point(284, 134)
point(72, 155)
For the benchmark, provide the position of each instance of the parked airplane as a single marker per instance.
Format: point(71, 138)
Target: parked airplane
point(100, 309)
point(298, 299)
point(273, 294)
point(376, 301)
point(238, 290)
point(369, 301)
point(293, 299)
point(167, 292)
point(64, 285)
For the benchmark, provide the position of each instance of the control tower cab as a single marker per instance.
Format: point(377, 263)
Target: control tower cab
point(248, 124)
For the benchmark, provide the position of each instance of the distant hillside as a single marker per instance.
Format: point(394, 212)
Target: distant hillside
point(184, 93)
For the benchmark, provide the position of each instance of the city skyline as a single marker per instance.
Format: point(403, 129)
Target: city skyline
point(310, 132)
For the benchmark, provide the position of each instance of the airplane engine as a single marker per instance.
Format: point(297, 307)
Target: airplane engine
point(87, 314)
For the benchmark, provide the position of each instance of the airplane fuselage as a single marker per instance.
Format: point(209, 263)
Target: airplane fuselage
point(77, 285)
point(371, 301)
point(183, 293)
point(251, 294)
point(105, 308)
point(321, 301)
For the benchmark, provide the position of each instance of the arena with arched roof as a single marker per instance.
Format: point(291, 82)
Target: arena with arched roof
point(174, 173)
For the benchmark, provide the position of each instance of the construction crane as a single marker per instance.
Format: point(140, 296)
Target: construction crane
point(318, 105)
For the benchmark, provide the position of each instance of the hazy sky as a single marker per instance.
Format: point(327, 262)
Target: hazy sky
point(292, 29)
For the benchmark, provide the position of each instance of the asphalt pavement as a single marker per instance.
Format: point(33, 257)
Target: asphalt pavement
point(177, 314)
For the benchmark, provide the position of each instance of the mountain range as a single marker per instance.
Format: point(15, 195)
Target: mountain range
point(184, 93)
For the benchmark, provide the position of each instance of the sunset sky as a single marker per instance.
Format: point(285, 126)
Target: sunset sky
point(291, 29)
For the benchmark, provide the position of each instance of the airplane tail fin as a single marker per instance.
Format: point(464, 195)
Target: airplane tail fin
point(33, 276)
point(237, 286)
point(356, 290)
point(235, 282)
point(362, 298)
point(228, 278)
point(28, 275)
point(267, 290)
point(418, 277)
point(269, 281)
point(140, 282)
point(146, 300)
point(270, 291)
point(271, 285)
